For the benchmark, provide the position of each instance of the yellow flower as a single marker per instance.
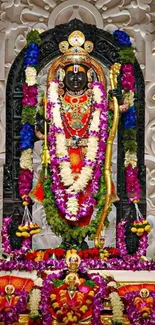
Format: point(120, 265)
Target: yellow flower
point(35, 231)
point(25, 234)
point(148, 228)
point(140, 231)
point(55, 305)
point(25, 203)
point(53, 296)
point(84, 308)
point(89, 302)
point(39, 256)
point(145, 222)
point(18, 234)
point(133, 229)
point(20, 228)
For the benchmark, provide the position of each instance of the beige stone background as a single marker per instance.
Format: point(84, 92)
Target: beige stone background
point(136, 17)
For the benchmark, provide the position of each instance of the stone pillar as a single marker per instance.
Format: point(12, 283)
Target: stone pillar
point(2, 120)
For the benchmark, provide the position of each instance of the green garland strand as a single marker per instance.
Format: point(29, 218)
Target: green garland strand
point(28, 114)
point(129, 140)
point(33, 37)
point(126, 55)
point(70, 234)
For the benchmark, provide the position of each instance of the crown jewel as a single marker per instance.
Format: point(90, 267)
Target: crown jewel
point(78, 53)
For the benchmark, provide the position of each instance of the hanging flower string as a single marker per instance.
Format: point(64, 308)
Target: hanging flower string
point(62, 177)
point(128, 85)
point(116, 302)
point(29, 106)
point(142, 246)
point(6, 247)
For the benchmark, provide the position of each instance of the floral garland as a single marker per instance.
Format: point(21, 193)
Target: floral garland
point(53, 258)
point(67, 200)
point(10, 315)
point(7, 249)
point(34, 301)
point(127, 82)
point(116, 302)
point(134, 314)
point(46, 292)
point(143, 243)
point(29, 107)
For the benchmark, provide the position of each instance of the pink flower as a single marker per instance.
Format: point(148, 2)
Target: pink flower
point(133, 187)
point(128, 67)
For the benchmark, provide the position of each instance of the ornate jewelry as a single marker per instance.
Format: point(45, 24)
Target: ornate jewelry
point(74, 109)
point(76, 142)
point(73, 186)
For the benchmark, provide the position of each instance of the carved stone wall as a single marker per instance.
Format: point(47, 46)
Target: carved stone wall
point(136, 17)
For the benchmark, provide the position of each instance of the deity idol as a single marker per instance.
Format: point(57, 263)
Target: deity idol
point(72, 184)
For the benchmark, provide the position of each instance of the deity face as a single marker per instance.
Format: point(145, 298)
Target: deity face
point(76, 78)
point(144, 293)
point(9, 289)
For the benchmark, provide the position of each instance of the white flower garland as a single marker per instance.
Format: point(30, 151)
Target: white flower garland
point(26, 159)
point(130, 158)
point(116, 303)
point(35, 298)
point(31, 75)
point(74, 186)
point(117, 307)
point(34, 302)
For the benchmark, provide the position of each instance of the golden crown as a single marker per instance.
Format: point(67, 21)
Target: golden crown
point(76, 53)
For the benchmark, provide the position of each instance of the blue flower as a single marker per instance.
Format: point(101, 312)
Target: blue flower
point(27, 137)
point(31, 55)
point(129, 118)
point(30, 61)
point(33, 46)
point(122, 38)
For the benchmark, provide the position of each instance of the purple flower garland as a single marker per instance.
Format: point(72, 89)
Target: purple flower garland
point(143, 243)
point(57, 187)
point(97, 301)
point(134, 315)
point(99, 297)
point(11, 316)
point(26, 243)
point(29, 103)
point(133, 187)
point(45, 298)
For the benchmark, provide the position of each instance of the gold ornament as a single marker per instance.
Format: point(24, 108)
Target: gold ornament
point(76, 51)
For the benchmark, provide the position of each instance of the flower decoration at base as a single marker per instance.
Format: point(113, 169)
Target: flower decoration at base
point(140, 305)
point(73, 298)
point(7, 249)
point(139, 227)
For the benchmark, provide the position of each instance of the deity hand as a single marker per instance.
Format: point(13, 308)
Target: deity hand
point(118, 94)
point(40, 124)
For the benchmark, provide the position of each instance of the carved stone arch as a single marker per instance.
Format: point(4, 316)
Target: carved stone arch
point(106, 51)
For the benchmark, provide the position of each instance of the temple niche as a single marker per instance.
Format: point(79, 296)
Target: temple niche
point(83, 190)
point(75, 223)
